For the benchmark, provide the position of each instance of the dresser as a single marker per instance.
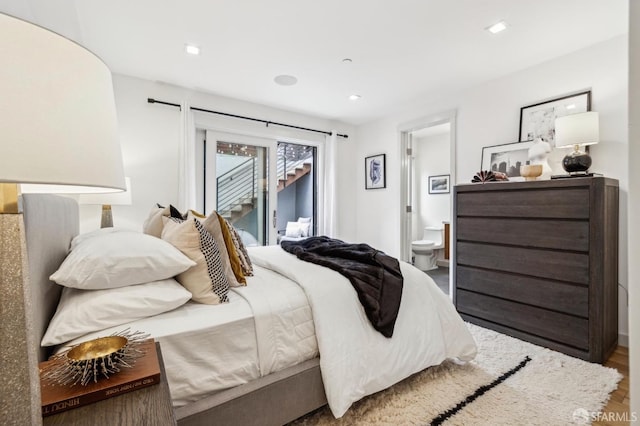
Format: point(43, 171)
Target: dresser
point(539, 261)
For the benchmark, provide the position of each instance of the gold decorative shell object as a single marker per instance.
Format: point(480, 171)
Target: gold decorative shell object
point(98, 348)
point(89, 361)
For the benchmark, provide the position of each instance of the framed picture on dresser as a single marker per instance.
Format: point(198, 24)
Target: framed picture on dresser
point(506, 158)
point(538, 120)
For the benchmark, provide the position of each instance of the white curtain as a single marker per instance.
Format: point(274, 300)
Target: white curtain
point(329, 202)
point(187, 167)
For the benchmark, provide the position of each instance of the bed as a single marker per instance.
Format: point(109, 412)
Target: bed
point(304, 338)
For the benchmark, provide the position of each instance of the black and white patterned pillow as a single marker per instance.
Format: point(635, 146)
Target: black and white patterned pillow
point(208, 276)
point(219, 283)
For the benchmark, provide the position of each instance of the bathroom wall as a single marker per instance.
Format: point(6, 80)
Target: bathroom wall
point(432, 154)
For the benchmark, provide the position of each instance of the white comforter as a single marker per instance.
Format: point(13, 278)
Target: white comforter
point(356, 360)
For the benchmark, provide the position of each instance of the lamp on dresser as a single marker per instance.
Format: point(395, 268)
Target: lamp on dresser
point(58, 133)
point(574, 131)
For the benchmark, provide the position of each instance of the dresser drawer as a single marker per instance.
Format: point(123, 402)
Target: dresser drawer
point(558, 266)
point(566, 298)
point(542, 233)
point(555, 326)
point(570, 203)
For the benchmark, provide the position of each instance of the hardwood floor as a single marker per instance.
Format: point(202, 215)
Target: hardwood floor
point(617, 408)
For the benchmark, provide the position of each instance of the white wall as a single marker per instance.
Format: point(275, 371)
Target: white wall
point(431, 159)
point(489, 115)
point(150, 134)
point(634, 205)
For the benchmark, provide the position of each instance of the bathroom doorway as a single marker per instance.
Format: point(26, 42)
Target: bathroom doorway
point(428, 177)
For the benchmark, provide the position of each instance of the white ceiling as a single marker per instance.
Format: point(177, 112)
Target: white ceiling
point(402, 50)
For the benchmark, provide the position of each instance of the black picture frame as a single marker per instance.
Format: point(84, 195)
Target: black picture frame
point(440, 184)
point(375, 171)
point(538, 120)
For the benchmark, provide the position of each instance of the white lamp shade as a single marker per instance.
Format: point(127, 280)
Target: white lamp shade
point(58, 118)
point(577, 129)
point(113, 198)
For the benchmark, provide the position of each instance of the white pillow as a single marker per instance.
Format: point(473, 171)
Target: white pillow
point(111, 258)
point(85, 311)
point(305, 226)
point(293, 230)
point(304, 229)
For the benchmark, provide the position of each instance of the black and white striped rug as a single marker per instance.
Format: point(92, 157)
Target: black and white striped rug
point(510, 382)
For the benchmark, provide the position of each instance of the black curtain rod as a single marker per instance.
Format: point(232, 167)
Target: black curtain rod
point(242, 117)
point(155, 101)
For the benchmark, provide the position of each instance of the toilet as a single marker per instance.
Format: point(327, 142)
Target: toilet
point(426, 250)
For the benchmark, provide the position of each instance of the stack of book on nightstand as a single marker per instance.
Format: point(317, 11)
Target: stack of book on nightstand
point(57, 398)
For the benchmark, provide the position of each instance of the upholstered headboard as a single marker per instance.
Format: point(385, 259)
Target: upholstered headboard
point(50, 224)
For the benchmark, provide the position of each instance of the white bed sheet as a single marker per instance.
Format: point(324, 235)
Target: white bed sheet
point(209, 348)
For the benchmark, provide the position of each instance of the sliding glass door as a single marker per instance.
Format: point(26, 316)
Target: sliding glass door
point(240, 184)
point(297, 185)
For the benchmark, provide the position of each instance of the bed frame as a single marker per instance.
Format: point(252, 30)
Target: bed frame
point(51, 222)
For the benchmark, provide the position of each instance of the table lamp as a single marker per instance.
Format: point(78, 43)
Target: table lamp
point(577, 130)
point(58, 127)
point(107, 200)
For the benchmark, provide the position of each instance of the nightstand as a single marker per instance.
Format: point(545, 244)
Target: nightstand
point(148, 406)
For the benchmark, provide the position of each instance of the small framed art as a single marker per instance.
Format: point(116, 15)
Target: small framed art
point(439, 184)
point(375, 172)
point(538, 120)
point(506, 158)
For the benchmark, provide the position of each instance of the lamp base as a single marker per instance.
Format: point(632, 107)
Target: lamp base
point(107, 217)
point(20, 381)
point(576, 162)
point(575, 175)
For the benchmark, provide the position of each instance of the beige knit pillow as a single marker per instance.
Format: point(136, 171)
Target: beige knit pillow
point(207, 281)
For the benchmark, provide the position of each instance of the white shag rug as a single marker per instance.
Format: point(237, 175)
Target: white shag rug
point(551, 389)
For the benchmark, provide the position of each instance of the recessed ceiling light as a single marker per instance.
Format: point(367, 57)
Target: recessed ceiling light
point(285, 80)
point(571, 106)
point(497, 27)
point(191, 49)
point(347, 60)
point(354, 97)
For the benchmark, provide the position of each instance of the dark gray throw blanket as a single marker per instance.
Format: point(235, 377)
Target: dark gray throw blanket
point(375, 276)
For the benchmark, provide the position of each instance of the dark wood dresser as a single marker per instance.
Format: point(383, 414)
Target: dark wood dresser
point(539, 261)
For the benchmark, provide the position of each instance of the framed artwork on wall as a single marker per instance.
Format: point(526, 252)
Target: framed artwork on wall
point(375, 172)
point(538, 120)
point(439, 184)
point(506, 158)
